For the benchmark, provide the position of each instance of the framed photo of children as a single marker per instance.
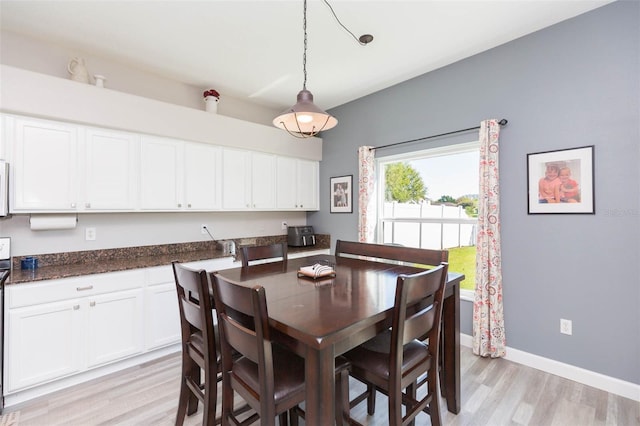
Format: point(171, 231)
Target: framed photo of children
point(561, 181)
point(341, 189)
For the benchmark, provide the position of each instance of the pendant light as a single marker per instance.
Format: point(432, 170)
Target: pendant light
point(305, 119)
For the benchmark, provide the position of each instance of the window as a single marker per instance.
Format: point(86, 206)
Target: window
point(428, 199)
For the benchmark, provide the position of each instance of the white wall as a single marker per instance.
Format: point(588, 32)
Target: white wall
point(141, 229)
point(47, 58)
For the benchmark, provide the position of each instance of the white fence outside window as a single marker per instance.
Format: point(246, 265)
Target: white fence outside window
point(427, 226)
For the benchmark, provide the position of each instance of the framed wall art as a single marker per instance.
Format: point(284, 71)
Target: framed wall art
point(341, 190)
point(561, 181)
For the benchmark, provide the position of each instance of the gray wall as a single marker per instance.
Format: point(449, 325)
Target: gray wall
point(570, 85)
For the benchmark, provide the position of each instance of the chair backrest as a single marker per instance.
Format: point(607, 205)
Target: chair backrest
point(271, 251)
point(195, 303)
point(417, 314)
point(383, 252)
point(243, 322)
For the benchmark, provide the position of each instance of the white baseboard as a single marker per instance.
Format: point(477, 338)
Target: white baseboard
point(577, 374)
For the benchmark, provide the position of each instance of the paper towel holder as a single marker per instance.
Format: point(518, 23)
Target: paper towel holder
point(50, 222)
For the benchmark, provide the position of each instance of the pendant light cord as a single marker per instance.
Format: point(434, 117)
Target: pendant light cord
point(304, 55)
point(345, 28)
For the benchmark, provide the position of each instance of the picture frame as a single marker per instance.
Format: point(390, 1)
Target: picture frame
point(561, 181)
point(341, 194)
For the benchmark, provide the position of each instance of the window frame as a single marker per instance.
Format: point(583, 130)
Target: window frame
point(382, 161)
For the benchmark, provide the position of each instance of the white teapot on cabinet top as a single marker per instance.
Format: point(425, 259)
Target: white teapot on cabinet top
point(78, 70)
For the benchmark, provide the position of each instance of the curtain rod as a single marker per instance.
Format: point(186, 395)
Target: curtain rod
point(502, 122)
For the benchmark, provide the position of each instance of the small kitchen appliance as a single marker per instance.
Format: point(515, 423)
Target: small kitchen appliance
point(301, 236)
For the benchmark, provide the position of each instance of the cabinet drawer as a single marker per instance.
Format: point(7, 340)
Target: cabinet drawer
point(54, 290)
point(160, 275)
point(164, 274)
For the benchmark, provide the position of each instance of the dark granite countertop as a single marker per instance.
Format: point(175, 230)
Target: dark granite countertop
point(65, 265)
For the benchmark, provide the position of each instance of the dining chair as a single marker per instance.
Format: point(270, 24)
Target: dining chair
point(398, 358)
point(200, 348)
point(395, 253)
point(271, 251)
point(267, 375)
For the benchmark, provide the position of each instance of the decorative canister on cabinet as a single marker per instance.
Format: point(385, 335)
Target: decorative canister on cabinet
point(211, 99)
point(78, 70)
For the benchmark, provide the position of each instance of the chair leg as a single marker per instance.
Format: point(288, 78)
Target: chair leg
point(211, 397)
point(284, 419)
point(183, 400)
point(411, 392)
point(434, 405)
point(293, 416)
point(342, 398)
point(227, 399)
point(187, 401)
point(194, 373)
point(371, 399)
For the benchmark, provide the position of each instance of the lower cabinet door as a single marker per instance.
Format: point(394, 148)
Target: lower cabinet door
point(44, 342)
point(114, 326)
point(162, 317)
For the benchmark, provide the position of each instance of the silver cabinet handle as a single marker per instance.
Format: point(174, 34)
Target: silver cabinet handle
point(76, 307)
point(92, 304)
point(89, 287)
point(179, 204)
point(88, 205)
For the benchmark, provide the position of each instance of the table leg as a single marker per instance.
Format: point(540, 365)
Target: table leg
point(451, 349)
point(320, 387)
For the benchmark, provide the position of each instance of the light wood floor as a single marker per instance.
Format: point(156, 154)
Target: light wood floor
point(494, 392)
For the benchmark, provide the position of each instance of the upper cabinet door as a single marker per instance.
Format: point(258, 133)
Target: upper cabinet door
point(236, 179)
point(263, 181)
point(161, 173)
point(286, 183)
point(202, 176)
point(44, 165)
point(307, 178)
point(297, 184)
point(110, 170)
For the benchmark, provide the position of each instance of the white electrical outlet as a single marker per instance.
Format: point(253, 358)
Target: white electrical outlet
point(203, 229)
point(566, 326)
point(284, 225)
point(90, 234)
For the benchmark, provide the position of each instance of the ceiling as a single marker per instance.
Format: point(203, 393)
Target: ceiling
point(252, 50)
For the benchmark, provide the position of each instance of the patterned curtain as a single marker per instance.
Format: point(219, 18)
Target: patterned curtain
point(366, 195)
point(488, 318)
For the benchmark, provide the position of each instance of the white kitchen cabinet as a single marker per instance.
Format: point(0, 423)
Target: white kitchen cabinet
point(263, 181)
point(178, 175)
point(296, 184)
point(58, 328)
point(60, 167)
point(44, 165)
point(108, 174)
point(202, 177)
point(43, 342)
point(248, 180)
point(162, 316)
point(114, 326)
point(307, 179)
point(161, 173)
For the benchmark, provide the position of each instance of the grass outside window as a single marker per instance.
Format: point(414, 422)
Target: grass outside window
point(463, 260)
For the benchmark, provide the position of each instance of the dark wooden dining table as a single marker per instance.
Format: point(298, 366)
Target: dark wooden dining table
point(323, 318)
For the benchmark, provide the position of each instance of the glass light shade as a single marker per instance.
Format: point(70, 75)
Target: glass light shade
point(304, 119)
